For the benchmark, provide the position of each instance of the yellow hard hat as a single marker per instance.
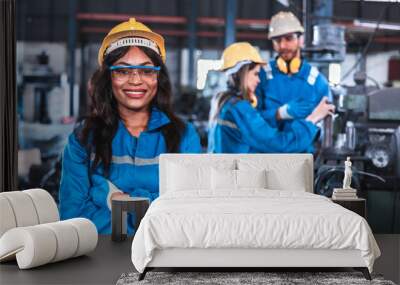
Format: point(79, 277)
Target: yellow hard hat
point(238, 52)
point(284, 23)
point(131, 33)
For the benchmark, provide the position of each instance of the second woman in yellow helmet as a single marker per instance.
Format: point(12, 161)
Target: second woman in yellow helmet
point(115, 150)
point(237, 127)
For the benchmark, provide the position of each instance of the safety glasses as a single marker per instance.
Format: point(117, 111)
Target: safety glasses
point(124, 72)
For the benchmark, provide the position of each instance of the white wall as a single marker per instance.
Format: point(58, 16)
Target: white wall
point(377, 66)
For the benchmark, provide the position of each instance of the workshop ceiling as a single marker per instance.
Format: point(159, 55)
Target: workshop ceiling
point(47, 20)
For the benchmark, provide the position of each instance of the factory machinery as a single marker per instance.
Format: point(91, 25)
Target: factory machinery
point(365, 126)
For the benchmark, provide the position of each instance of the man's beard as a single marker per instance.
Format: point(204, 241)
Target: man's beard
point(288, 55)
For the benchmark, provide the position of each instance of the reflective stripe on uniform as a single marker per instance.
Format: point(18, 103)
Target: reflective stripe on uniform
point(268, 72)
point(146, 161)
point(227, 124)
point(312, 77)
point(126, 159)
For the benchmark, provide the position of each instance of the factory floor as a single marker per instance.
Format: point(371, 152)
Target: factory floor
point(388, 263)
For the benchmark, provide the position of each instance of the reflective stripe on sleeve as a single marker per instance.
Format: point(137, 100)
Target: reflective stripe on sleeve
point(126, 159)
point(312, 77)
point(227, 124)
point(268, 72)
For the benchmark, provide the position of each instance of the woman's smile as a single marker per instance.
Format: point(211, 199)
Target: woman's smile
point(135, 93)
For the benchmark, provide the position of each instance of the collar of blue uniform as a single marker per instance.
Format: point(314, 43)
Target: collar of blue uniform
point(303, 72)
point(157, 120)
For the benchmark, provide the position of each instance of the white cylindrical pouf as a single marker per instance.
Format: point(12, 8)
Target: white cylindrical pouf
point(7, 218)
point(40, 244)
point(87, 234)
point(66, 238)
point(33, 246)
point(45, 205)
point(23, 208)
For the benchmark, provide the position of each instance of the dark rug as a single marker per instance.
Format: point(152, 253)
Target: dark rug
point(225, 278)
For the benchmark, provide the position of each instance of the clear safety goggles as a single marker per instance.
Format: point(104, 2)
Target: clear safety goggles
point(125, 72)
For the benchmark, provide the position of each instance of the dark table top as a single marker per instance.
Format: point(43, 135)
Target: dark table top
point(104, 265)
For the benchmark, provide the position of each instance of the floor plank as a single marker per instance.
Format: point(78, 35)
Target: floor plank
point(389, 262)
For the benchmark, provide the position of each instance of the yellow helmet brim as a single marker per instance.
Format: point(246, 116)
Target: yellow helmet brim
point(131, 29)
point(239, 52)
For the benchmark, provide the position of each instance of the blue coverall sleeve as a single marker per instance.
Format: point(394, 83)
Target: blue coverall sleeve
point(269, 114)
point(101, 191)
point(257, 133)
point(75, 191)
point(261, 88)
point(190, 141)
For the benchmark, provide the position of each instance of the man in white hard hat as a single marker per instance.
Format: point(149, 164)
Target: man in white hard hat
point(290, 88)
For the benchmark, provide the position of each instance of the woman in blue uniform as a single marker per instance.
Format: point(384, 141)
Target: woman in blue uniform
point(237, 127)
point(115, 150)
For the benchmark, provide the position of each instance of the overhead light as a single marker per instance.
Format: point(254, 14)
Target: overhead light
point(334, 73)
point(284, 2)
point(373, 25)
point(385, 1)
point(203, 67)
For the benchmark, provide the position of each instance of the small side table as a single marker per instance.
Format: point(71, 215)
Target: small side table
point(358, 205)
point(120, 206)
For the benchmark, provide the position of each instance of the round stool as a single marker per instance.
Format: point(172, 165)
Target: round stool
point(120, 206)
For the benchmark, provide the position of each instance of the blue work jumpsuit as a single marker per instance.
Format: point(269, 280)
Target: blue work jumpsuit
point(239, 128)
point(276, 89)
point(133, 170)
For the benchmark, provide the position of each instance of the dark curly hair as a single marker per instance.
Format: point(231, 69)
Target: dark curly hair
point(100, 125)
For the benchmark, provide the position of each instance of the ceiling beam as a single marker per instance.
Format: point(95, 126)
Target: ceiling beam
point(212, 21)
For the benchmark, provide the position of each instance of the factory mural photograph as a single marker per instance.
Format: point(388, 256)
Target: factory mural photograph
point(200, 133)
point(329, 87)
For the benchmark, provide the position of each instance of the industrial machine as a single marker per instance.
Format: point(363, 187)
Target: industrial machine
point(42, 80)
point(367, 128)
point(42, 105)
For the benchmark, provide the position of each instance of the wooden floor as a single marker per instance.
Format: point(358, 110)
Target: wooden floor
point(389, 262)
point(106, 264)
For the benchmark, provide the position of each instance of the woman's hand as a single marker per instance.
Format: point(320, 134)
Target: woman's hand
point(118, 194)
point(321, 111)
